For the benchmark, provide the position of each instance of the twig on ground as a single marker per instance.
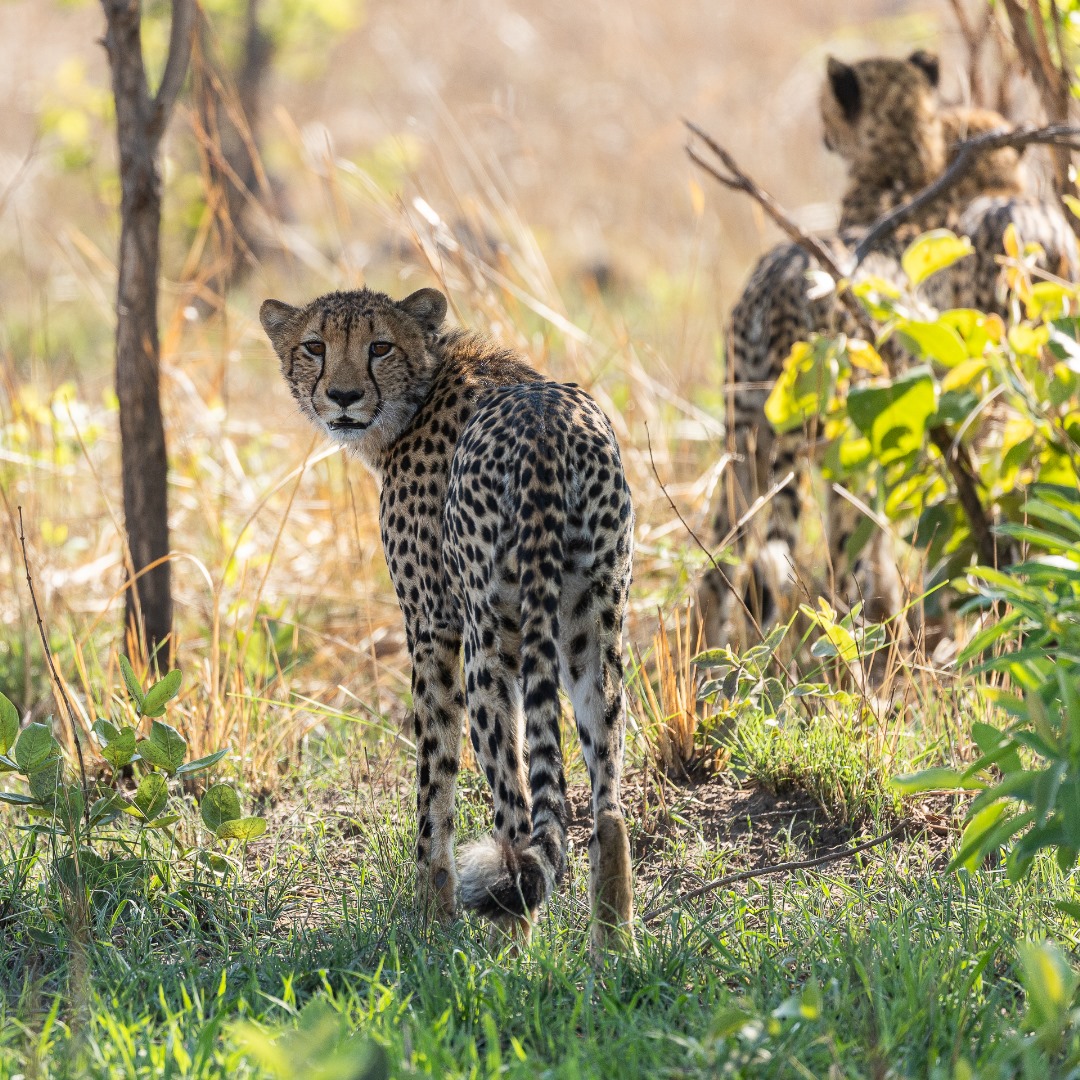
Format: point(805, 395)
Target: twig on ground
point(1063, 135)
point(655, 913)
point(55, 674)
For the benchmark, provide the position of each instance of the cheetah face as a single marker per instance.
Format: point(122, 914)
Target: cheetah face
point(357, 363)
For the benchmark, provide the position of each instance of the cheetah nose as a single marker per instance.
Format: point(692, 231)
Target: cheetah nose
point(344, 398)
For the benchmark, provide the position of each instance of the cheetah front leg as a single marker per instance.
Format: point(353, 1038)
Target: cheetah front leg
point(438, 711)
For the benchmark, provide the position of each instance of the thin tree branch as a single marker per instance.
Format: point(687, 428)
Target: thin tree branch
point(1065, 135)
point(181, 36)
point(738, 180)
point(956, 461)
point(657, 912)
point(55, 674)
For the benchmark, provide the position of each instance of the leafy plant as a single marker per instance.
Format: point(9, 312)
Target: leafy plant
point(947, 444)
point(1028, 773)
point(82, 821)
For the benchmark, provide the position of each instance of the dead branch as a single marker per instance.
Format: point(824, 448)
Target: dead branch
point(1063, 135)
point(956, 461)
point(57, 683)
point(655, 913)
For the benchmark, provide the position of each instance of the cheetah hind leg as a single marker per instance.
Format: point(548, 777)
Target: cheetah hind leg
point(590, 619)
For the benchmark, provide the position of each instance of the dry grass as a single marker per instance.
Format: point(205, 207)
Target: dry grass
point(514, 162)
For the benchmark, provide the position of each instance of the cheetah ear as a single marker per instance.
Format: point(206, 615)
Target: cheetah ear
point(276, 319)
point(845, 87)
point(426, 306)
point(928, 64)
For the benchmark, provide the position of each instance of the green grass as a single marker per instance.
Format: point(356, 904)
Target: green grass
point(876, 966)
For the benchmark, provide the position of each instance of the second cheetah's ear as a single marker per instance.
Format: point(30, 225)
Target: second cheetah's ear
point(845, 87)
point(928, 64)
point(276, 319)
point(426, 306)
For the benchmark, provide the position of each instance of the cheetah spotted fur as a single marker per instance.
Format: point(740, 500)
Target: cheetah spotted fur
point(507, 526)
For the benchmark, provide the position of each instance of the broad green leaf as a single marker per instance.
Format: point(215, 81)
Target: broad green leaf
point(934, 341)
point(131, 681)
point(805, 385)
point(219, 805)
point(34, 747)
point(107, 807)
point(963, 375)
point(162, 822)
point(971, 325)
point(893, 416)
point(15, 799)
point(165, 748)
point(933, 251)
point(936, 779)
point(1049, 982)
point(9, 724)
point(160, 694)
point(201, 763)
point(245, 829)
point(1028, 340)
point(865, 357)
point(43, 781)
point(152, 795)
point(120, 749)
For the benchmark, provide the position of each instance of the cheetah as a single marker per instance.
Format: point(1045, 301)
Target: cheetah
point(507, 526)
point(882, 117)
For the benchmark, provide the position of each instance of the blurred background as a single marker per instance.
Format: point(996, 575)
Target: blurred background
point(527, 158)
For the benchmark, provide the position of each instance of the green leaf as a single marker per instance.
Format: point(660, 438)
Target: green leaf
point(245, 829)
point(936, 779)
point(162, 822)
point(9, 724)
point(893, 416)
point(132, 682)
point(15, 799)
point(120, 747)
point(934, 341)
point(805, 386)
point(34, 747)
point(160, 694)
point(107, 807)
point(933, 251)
point(219, 805)
point(1050, 984)
point(165, 748)
point(43, 781)
point(201, 763)
point(152, 795)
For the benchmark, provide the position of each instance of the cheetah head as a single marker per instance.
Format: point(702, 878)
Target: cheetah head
point(880, 112)
point(359, 364)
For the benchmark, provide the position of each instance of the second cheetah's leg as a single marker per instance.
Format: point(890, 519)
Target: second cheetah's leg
point(590, 647)
point(438, 709)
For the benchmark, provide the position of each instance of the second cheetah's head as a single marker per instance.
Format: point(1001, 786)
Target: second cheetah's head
point(882, 114)
point(359, 364)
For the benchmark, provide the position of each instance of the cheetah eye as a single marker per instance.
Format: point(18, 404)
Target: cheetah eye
point(380, 348)
point(316, 348)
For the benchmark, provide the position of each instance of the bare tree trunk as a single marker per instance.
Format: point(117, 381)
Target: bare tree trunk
point(140, 123)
